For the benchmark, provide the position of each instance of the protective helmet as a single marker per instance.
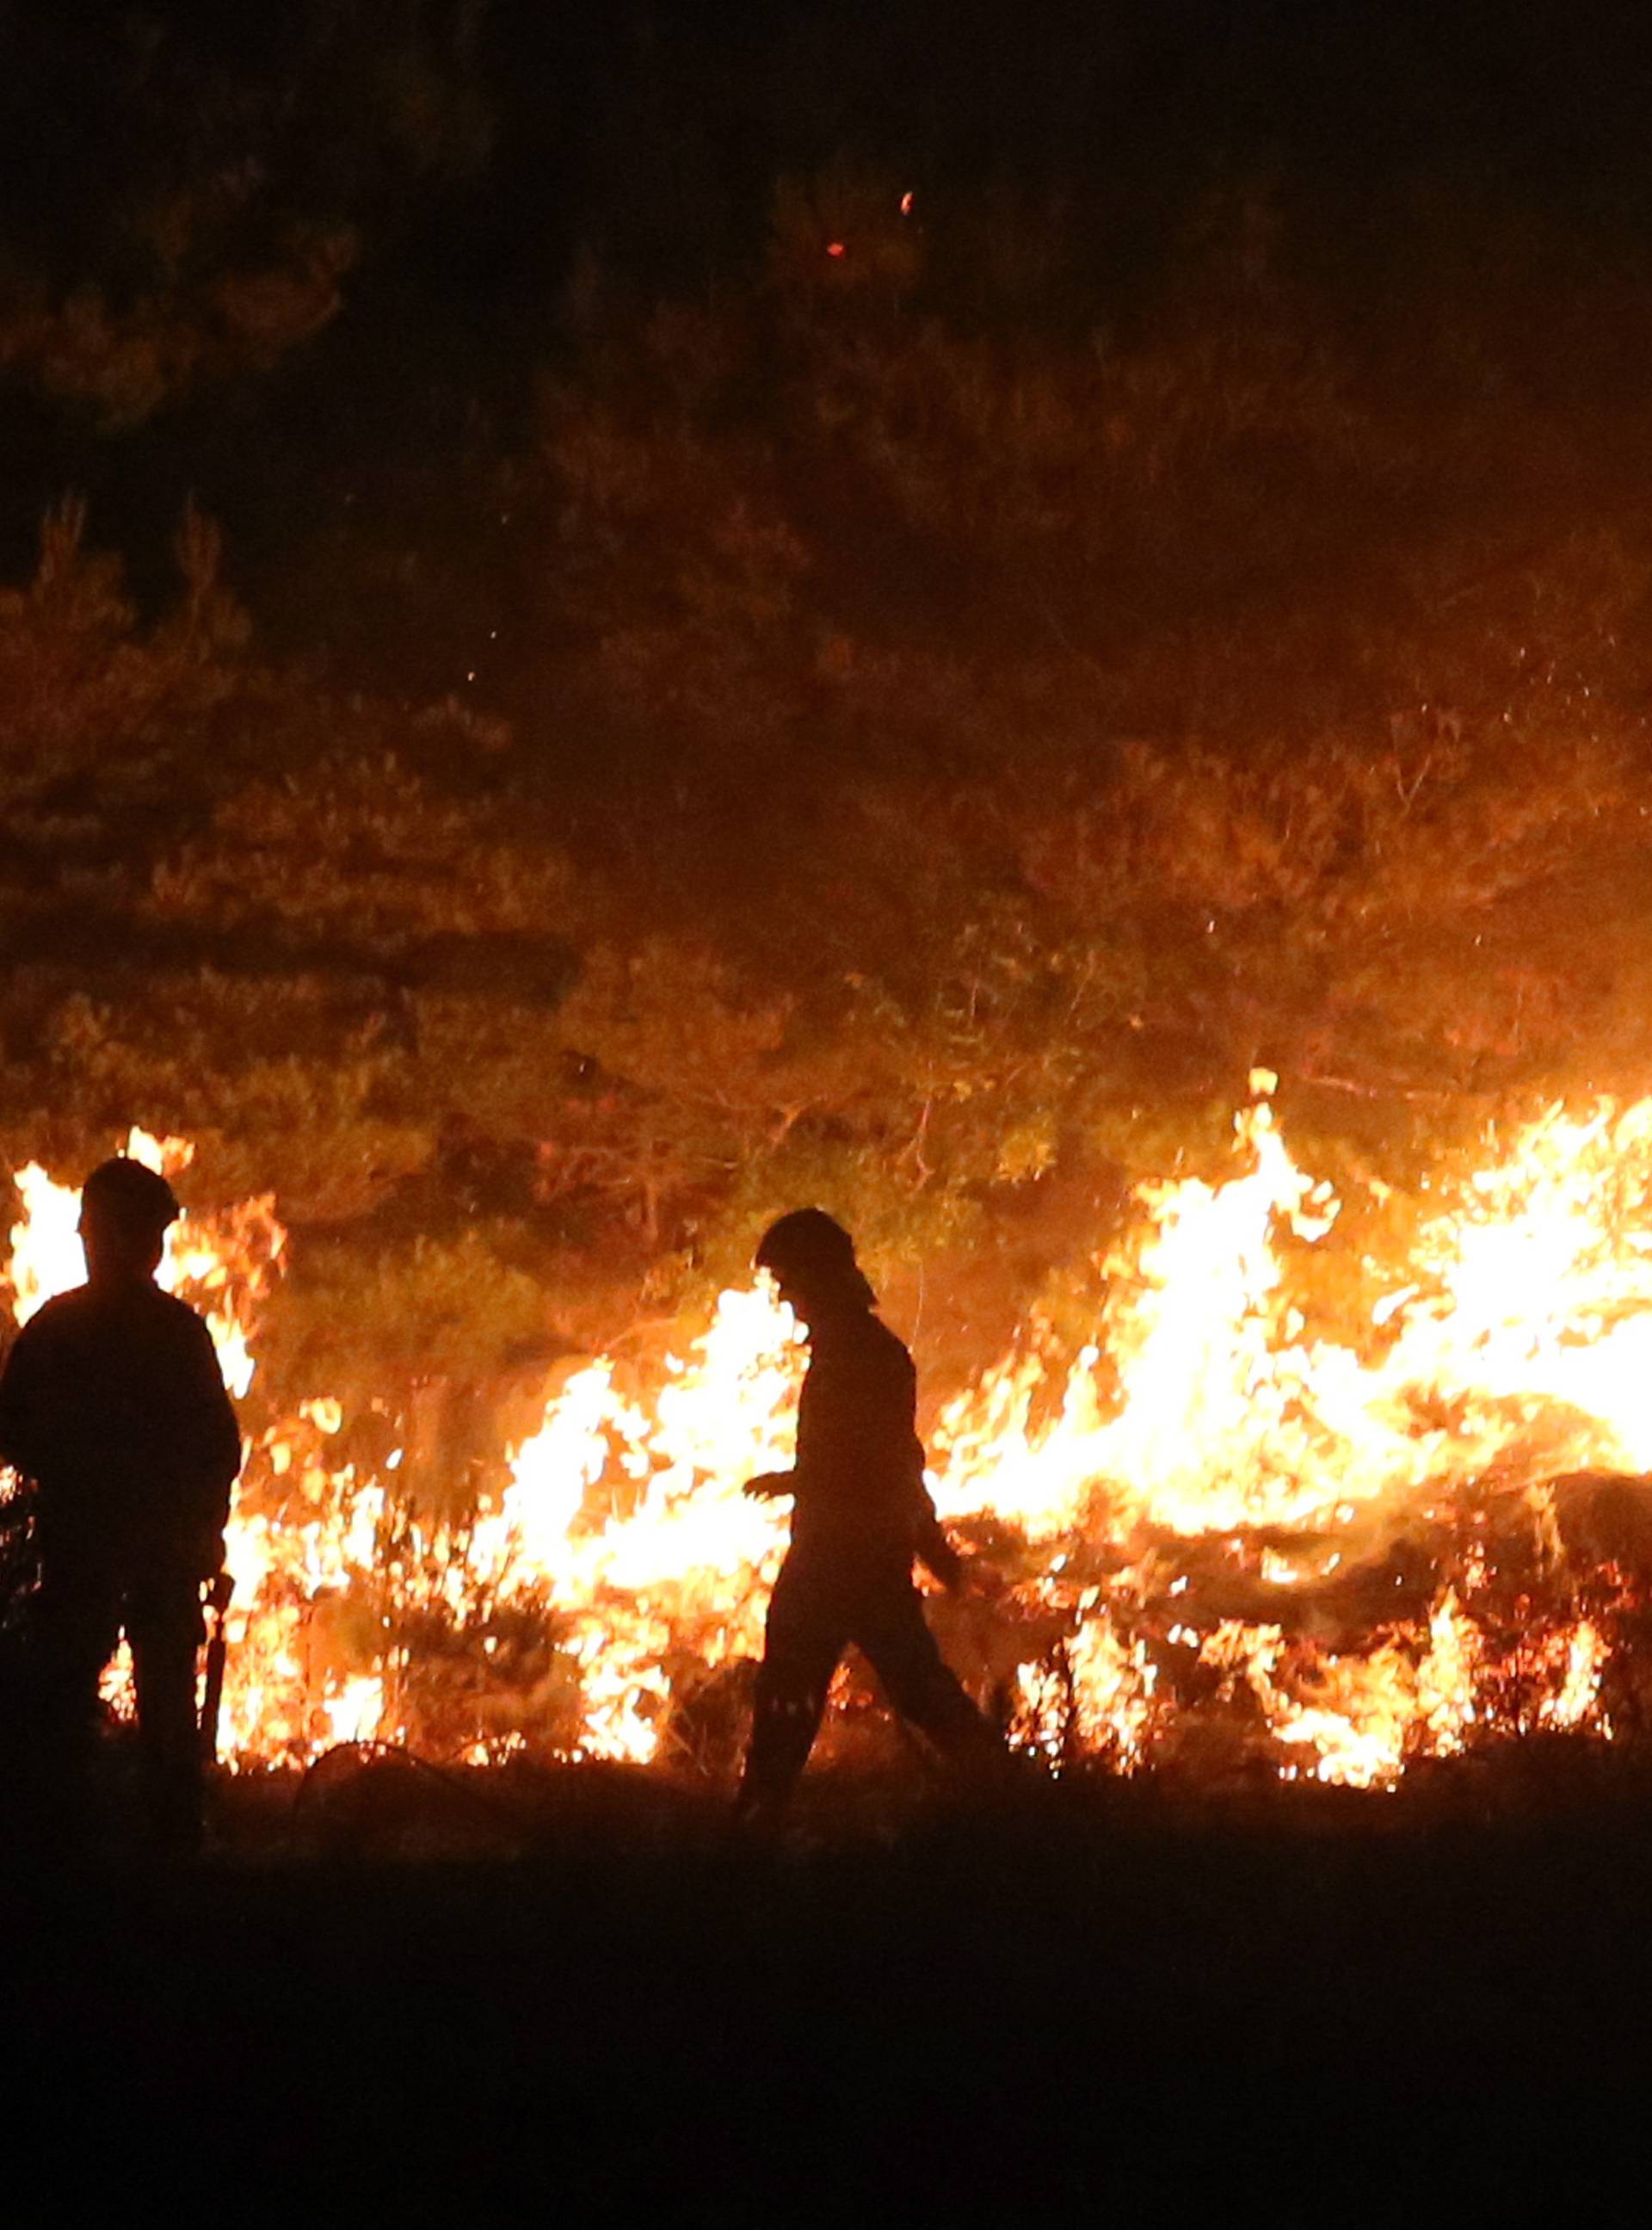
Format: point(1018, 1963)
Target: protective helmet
point(811, 1249)
point(133, 1196)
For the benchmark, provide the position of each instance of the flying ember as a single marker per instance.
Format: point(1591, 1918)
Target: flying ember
point(1212, 1532)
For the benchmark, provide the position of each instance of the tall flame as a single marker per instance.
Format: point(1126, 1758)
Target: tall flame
point(1201, 1449)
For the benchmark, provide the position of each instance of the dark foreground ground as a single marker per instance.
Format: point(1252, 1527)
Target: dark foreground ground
point(402, 1998)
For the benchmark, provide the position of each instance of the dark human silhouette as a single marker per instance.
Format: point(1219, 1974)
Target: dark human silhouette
point(112, 1402)
point(861, 1514)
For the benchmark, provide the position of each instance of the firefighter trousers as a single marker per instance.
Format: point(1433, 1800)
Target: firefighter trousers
point(80, 1616)
point(818, 1607)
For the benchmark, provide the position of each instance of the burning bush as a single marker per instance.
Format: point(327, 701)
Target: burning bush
point(1210, 1530)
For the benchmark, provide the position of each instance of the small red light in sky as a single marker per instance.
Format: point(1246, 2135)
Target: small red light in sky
point(835, 248)
point(906, 203)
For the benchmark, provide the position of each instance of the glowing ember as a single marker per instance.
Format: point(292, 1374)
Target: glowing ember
point(1207, 1526)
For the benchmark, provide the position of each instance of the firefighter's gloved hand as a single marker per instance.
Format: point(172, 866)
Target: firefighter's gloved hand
point(767, 1486)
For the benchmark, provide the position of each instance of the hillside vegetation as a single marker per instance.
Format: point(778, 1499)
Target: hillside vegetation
point(924, 721)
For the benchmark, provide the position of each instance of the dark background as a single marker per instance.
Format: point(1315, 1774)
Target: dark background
point(477, 153)
point(1101, 2003)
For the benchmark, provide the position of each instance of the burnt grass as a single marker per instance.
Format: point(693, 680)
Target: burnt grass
point(393, 1992)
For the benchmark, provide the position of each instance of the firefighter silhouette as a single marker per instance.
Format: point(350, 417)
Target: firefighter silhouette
point(112, 1402)
point(861, 1513)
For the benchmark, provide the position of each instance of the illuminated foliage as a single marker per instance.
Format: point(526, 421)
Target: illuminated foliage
point(915, 725)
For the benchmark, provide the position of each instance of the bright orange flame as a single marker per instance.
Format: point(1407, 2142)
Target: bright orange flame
point(1514, 1342)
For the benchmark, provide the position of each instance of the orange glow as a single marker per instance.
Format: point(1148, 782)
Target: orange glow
point(1171, 1510)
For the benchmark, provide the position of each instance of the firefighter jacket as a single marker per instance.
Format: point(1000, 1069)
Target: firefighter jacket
point(858, 1483)
point(112, 1401)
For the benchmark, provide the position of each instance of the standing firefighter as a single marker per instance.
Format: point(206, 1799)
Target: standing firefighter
point(112, 1401)
point(861, 1513)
